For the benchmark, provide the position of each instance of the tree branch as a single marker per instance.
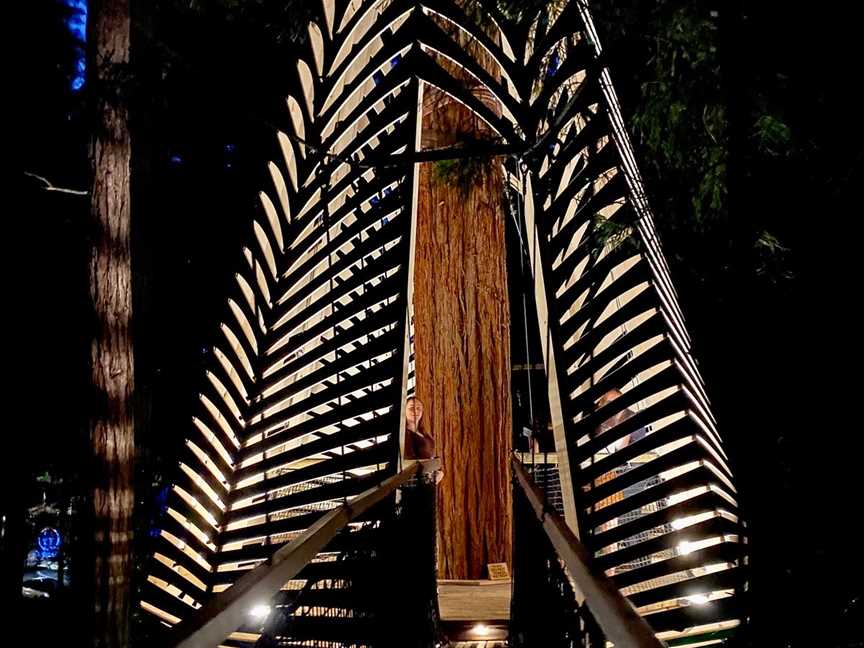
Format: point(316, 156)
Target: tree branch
point(48, 186)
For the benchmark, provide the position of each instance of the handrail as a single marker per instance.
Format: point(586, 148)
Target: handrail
point(225, 612)
point(615, 615)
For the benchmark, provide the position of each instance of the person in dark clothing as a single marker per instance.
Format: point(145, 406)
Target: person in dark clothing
point(418, 443)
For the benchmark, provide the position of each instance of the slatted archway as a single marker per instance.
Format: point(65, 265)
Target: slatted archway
point(302, 406)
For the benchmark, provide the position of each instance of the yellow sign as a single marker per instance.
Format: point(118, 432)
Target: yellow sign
point(498, 571)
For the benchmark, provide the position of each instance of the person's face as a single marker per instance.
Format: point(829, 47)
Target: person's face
point(413, 413)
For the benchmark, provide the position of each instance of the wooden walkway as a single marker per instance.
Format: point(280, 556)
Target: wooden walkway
point(474, 600)
point(475, 614)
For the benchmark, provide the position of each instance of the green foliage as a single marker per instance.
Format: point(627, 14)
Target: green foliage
point(680, 116)
point(608, 232)
point(465, 170)
point(772, 136)
point(525, 10)
point(460, 172)
point(772, 259)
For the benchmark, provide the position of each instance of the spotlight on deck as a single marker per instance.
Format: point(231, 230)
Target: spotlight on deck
point(481, 630)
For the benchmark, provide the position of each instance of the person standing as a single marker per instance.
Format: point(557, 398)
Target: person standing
point(419, 444)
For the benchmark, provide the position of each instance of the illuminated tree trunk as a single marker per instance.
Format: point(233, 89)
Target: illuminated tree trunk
point(462, 321)
point(111, 422)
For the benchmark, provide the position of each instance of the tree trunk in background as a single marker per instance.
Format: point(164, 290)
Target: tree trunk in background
point(111, 422)
point(462, 344)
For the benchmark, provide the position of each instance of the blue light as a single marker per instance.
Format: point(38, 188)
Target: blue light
point(176, 159)
point(48, 542)
point(76, 23)
point(554, 65)
point(162, 498)
point(162, 504)
point(230, 148)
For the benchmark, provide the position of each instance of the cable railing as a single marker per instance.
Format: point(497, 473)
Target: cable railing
point(561, 599)
point(386, 595)
point(227, 611)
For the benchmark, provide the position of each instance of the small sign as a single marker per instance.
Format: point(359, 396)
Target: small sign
point(498, 571)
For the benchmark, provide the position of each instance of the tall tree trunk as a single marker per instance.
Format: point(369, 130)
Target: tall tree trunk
point(111, 422)
point(462, 337)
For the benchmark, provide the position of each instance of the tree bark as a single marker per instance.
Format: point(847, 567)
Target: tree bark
point(111, 421)
point(462, 338)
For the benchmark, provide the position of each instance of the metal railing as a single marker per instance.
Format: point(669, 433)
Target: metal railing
point(227, 610)
point(560, 598)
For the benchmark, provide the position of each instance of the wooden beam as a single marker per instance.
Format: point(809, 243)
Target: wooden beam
point(617, 618)
point(226, 611)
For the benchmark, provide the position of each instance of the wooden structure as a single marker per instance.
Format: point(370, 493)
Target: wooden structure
point(302, 407)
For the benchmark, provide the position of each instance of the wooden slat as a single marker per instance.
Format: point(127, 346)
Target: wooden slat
point(226, 611)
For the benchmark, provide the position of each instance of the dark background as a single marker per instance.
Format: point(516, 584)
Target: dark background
point(746, 123)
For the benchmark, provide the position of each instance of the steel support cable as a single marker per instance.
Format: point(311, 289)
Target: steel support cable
point(517, 215)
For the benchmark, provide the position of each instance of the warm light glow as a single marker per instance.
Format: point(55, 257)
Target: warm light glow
point(259, 612)
point(698, 599)
point(481, 630)
point(685, 548)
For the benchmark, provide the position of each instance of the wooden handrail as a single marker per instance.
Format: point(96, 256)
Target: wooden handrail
point(615, 615)
point(225, 612)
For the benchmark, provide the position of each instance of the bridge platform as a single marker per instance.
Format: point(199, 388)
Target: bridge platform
point(475, 613)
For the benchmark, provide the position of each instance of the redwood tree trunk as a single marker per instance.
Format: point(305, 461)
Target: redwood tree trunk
point(111, 423)
point(462, 337)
